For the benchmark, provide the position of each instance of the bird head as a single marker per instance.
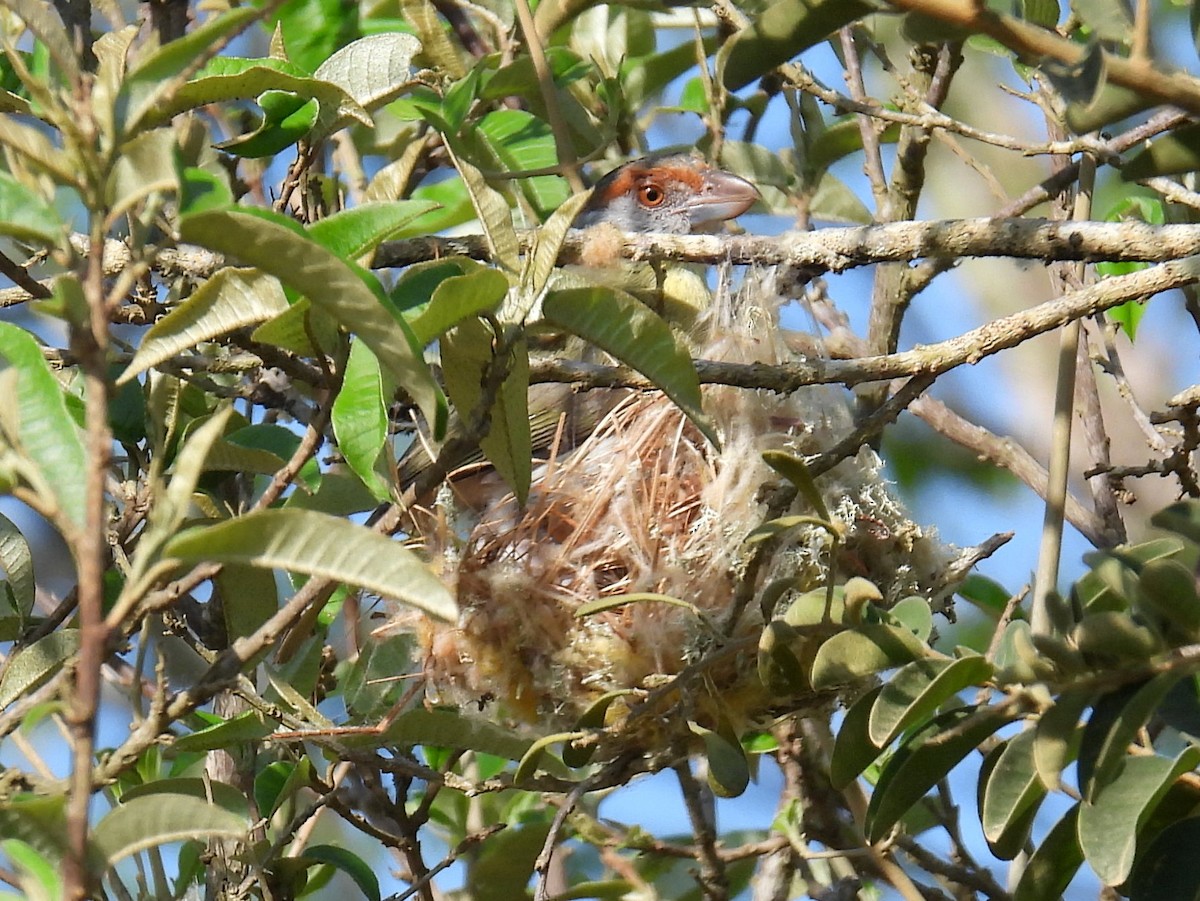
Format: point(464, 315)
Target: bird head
point(673, 193)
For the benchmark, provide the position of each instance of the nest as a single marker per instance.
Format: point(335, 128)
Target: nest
point(646, 505)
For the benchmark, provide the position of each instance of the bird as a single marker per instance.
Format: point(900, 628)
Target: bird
point(668, 193)
point(671, 193)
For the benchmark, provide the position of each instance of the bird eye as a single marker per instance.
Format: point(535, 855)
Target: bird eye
point(651, 195)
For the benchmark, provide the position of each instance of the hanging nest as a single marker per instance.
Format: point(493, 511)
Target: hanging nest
point(645, 505)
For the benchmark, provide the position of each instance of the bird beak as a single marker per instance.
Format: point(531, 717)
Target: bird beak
point(722, 196)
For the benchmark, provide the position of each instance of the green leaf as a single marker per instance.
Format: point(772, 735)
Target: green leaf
point(618, 324)
point(494, 216)
point(39, 877)
point(458, 298)
point(508, 444)
point(200, 190)
point(1110, 104)
point(360, 418)
point(1182, 518)
point(547, 241)
point(1058, 734)
point(839, 140)
point(249, 597)
point(859, 652)
point(1118, 717)
point(151, 83)
point(308, 32)
point(925, 758)
point(522, 142)
point(784, 30)
point(854, 751)
point(31, 667)
point(146, 166)
point(794, 469)
point(162, 817)
point(24, 215)
point(229, 78)
point(280, 781)
point(344, 291)
point(780, 653)
point(1168, 869)
point(1053, 863)
point(286, 119)
point(39, 821)
point(835, 202)
point(241, 729)
point(912, 613)
point(1172, 154)
point(45, 432)
point(1045, 13)
point(1108, 827)
point(350, 864)
point(527, 767)
point(1010, 796)
point(728, 769)
point(42, 22)
point(16, 564)
point(918, 690)
point(503, 868)
point(1169, 590)
point(576, 754)
point(354, 232)
point(35, 149)
point(373, 70)
point(323, 546)
point(451, 729)
point(231, 299)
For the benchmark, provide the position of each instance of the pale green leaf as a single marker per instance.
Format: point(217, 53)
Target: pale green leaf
point(37, 150)
point(24, 215)
point(547, 242)
point(231, 299)
point(1054, 861)
point(508, 444)
point(152, 82)
point(494, 216)
point(323, 546)
point(160, 818)
point(457, 298)
point(146, 165)
point(924, 759)
point(1108, 827)
point(351, 233)
point(41, 20)
point(360, 417)
point(346, 292)
point(618, 324)
point(1011, 796)
point(16, 564)
point(918, 690)
point(47, 434)
point(32, 666)
point(230, 78)
point(39, 877)
point(859, 652)
point(373, 70)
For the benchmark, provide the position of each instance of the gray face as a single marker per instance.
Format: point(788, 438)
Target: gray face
point(675, 194)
